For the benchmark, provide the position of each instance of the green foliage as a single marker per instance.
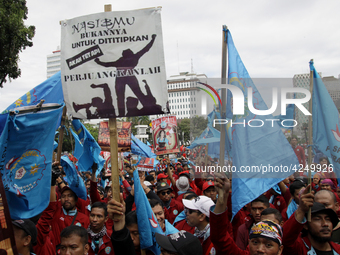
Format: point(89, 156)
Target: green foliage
point(14, 37)
point(198, 124)
point(138, 120)
point(191, 128)
point(94, 130)
point(184, 130)
point(68, 140)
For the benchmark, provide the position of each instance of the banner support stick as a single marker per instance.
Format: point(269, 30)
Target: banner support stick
point(114, 148)
point(310, 137)
point(224, 98)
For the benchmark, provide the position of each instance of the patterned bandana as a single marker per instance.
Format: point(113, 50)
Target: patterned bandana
point(267, 229)
point(201, 233)
point(97, 239)
point(98, 235)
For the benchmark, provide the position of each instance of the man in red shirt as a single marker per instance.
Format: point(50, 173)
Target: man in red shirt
point(299, 151)
point(171, 206)
point(73, 241)
point(257, 206)
point(317, 233)
point(198, 213)
point(99, 236)
point(64, 214)
point(209, 190)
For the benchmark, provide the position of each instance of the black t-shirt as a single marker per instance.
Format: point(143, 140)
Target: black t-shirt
point(323, 252)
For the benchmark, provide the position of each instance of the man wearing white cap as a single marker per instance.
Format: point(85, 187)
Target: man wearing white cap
point(197, 214)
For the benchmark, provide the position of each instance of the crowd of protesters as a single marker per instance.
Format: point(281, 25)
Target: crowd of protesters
point(193, 211)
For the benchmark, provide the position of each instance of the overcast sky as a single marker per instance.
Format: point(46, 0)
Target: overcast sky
point(274, 38)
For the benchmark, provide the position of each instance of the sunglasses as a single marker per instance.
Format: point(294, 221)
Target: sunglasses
point(190, 211)
point(167, 192)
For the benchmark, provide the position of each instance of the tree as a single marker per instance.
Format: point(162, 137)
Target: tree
point(14, 37)
point(198, 124)
point(138, 120)
point(184, 130)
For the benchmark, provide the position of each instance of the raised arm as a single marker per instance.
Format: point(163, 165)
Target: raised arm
point(106, 64)
point(147, 47)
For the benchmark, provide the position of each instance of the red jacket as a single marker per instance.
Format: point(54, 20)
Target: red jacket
point(300, 153)
point(279, 202)
point(106, 248)
point(61, 221)
point(240, 217)
point(183, 225)
point(207, 245)
point(242, 238)
point(95, 197)
point(174, 209)
point(223, 242)
point(44, 244)
point(293, 243)
point(179, 198)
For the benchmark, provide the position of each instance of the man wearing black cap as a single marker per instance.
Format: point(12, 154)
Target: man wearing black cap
point(63, 214)
point(316, 234)
point(171, 206)
point(183, 243)
point(25, 234)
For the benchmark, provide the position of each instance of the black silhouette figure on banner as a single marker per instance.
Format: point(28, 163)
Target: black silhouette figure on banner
point(151, 108)
point(124, 65)
point(104, 109)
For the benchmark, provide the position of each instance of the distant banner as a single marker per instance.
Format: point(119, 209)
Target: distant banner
point(113, 64)
point(146, 164)
point(107, 156)
point(165, 135)
point(124, 136)
point(7, 241)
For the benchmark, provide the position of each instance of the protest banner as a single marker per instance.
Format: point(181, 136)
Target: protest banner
point(102, 54)
point(146, 164)
point(165, 139)
point(124, 136)
point(113, 64)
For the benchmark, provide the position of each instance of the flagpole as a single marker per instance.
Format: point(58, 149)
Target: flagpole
point(61, 134)
point(224, 98)
point(310, 135)
point(114, 148)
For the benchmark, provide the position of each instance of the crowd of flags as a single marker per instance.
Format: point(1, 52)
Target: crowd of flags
point(27, 142)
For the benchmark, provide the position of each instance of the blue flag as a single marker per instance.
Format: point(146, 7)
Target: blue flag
point(288, 123)
point(78, 148)
point(91, 149)
point(140, 148)
point(75, 182)
point(290, 114)
point(264, 150)
point(147, 222)
point(26, 148)
point(50, 90)
point(326, 135)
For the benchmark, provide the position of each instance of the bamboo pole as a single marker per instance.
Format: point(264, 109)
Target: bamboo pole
point(114, 159)
point(310, 137)
point(114, 148)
